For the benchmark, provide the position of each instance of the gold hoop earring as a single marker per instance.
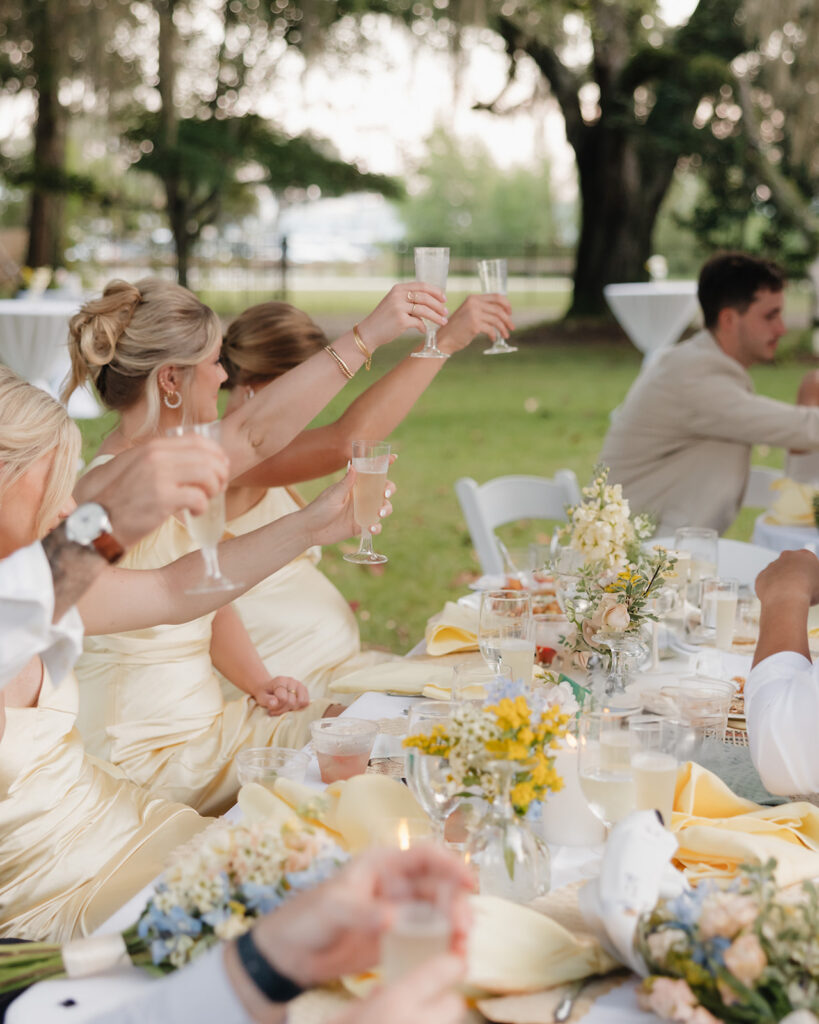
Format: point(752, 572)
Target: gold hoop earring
point(166, 398)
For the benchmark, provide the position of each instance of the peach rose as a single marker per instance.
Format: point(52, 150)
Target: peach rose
point(670, 998)
point(726, 914)
point(745, 959)
point(615, 619)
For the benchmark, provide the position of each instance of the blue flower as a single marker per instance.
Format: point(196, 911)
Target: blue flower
point(501, 687)
point(261, 898)
point(176, 921)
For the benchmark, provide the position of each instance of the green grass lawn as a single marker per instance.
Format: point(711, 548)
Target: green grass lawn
point(544, 408)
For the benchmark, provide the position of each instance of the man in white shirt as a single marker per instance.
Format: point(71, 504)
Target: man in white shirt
point(680, 444)
point(782, 690)
point(315, 937)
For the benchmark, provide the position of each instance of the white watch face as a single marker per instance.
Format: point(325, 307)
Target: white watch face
point(86, 523)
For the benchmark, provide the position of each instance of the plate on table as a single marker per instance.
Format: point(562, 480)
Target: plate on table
point(541, 584)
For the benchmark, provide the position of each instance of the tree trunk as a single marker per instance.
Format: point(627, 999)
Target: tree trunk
point(46, 209)
point(621, 190)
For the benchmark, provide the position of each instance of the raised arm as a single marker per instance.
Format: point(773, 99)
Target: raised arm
point(379, 409)
point(270, 420)
point(126, 599)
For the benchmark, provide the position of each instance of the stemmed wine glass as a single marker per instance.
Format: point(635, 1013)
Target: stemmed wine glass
point(431, 267)
point(604, 763)
point(208, 527)
point(493, 275)
point(371, 460)
point(506, 634)
point(428, 775)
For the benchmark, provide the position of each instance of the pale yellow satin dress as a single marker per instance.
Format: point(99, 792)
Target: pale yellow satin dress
point(77, 841)
point(151, 703)
point(299, 622)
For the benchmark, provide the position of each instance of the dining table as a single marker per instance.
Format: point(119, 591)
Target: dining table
point(653, 313)
point(784, 536)
point(34, 343)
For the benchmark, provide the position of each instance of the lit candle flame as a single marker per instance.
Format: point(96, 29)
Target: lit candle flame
point(403, 834)
point(571, 741)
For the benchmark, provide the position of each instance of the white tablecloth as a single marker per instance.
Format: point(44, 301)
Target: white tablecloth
point(33, 343)
point(653, 313)
point(783, 538)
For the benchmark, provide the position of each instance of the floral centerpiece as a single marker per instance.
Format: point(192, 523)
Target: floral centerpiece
point(748, 953)
point(214, 889)
point(602, 527)
point(502, 753)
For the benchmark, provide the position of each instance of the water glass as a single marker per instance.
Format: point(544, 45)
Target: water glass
point(471, 681)
point(493, 276)
point(703, 704)
point(266, 764)
point(506, 632)
point(719, 611)
point(655, 744)
point(701, 545)
point(428, 775)
point(343, 746)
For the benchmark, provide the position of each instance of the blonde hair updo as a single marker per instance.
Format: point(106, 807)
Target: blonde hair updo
point(122, 340)
point(268, 340)
point(33, 424)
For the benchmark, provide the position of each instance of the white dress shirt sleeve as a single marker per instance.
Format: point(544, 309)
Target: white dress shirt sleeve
point(26, 611)
point(782, 712)
point(199, 992)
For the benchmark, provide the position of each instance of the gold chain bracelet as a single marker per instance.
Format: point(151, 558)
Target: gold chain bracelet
point(345, 369)
point(362, 348)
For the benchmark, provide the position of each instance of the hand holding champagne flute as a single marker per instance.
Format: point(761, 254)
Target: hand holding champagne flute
point(371, 461)
point(493, 275)
point(432, 267)
point(208, 527)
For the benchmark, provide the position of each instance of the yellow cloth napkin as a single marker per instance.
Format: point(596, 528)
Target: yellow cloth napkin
point(794, 504)
point(404, 675)
point(359, 812)
point(453, 629)
point(717, 831)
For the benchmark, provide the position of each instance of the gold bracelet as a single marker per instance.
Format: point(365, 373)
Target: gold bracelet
point(362, 348)
point(345, 369)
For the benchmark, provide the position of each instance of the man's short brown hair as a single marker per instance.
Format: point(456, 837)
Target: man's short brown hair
point(731, 280)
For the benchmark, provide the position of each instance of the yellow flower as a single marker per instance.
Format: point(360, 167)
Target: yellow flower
point(523, 794)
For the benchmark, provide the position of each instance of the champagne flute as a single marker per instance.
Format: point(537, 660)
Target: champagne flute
point(431, 267)
point(208, 527)
point(493, 275)
point(604, 764)
point(371, 460)
point(506, 634)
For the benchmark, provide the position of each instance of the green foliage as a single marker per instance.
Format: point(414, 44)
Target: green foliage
point(466, 198)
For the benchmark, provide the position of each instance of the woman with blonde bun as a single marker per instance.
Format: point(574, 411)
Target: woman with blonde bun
point(284, 612)
point(151, 700)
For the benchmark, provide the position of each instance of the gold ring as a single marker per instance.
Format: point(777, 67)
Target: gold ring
point(412, 308)
point(411, 297)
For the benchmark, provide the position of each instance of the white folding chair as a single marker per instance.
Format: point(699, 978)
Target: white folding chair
point(508, 498)
point(758, 493)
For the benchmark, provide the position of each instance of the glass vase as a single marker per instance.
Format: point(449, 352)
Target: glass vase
point(625, 651)
point(510, 861)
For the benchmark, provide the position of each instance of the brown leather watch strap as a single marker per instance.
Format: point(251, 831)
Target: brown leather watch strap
point(108, 547)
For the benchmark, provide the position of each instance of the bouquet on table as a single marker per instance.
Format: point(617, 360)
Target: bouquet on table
point(746, 953)
point(214, 889)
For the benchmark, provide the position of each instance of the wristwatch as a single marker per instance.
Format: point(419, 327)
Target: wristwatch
point(90, 526)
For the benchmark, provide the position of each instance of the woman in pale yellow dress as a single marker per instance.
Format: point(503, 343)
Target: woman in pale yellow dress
point(151, 700)
point(286, 612)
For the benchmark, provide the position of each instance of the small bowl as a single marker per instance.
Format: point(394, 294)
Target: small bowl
point(266, 764)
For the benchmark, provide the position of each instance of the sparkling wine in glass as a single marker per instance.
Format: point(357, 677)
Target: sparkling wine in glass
point(207, 529)
point(371, 460)
point(431, 267)
point(493, 275)
point(604, 764)
point(655, 746)
point(506, 635)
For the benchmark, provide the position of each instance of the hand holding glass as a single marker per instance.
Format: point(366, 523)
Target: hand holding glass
point(371, 461)
point(207, 529)
point(431, 267)
point(493, 282)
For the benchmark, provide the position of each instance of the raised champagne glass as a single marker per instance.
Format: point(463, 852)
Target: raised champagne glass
point(371, 460)
point(493, 275)
point(208, 527)
point(431, 267)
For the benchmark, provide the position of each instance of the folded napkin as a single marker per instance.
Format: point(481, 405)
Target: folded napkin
point(453, 629)
point(358, 812)
point(793, 505)
point(404, 675)
point(717, 831)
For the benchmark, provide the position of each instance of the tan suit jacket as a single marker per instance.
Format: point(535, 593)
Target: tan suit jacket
point(680, 444)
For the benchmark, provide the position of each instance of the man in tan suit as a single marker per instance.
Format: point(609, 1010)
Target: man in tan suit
point(680, 444)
